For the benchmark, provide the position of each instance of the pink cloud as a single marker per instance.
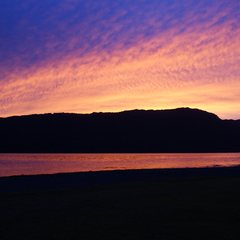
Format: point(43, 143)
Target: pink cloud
point(109, 55)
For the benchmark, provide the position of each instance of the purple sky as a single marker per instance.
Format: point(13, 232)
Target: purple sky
point(90, 56)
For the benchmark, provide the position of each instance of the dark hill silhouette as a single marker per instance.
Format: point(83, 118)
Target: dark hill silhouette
point(177, 130)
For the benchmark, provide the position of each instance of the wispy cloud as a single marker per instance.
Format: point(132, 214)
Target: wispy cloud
point(86, 56)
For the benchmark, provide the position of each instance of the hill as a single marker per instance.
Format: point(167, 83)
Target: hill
point(177, 130)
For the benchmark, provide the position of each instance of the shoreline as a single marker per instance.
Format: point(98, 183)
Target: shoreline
point(24, 183)
point(151, 204)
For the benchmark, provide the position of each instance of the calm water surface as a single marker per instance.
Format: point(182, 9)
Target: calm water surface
point(31, 164)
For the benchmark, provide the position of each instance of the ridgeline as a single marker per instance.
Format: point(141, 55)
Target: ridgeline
point(179, 130)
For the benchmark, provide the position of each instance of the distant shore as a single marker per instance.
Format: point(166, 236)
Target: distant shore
point(181, 130)
point(88, 179)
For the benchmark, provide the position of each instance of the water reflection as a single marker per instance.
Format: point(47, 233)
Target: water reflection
point(28, 164)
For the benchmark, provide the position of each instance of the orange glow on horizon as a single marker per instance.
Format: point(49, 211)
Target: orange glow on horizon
point(198, 68)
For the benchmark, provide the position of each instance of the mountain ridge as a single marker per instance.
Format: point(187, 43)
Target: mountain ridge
point(120, 112)
point(172, 130)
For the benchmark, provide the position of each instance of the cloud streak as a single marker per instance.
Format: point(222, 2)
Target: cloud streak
point(107, 55)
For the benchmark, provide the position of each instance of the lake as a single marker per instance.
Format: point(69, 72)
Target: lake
point(32, 164)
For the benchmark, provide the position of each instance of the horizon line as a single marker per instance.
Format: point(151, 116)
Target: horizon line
point(126, 110)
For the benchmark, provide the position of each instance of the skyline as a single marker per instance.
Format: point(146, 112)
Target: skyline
point(111, 56)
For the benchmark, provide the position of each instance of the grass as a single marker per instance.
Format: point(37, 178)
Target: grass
point(196, 208)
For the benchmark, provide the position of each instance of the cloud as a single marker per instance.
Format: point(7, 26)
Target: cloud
point(50, 30)
point(87, 55)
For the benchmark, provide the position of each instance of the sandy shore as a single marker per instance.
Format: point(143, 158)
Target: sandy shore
point(89, 179)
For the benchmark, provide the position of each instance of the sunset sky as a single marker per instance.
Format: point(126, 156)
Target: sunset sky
point(88, 56)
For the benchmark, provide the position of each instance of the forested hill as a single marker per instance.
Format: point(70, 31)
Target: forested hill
point(136, 131)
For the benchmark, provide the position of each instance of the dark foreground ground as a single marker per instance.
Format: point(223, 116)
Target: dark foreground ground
point(192, 206)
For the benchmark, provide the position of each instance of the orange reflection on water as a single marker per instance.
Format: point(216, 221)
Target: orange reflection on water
point(31, 164)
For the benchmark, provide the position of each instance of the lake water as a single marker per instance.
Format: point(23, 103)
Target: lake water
point(32, 164)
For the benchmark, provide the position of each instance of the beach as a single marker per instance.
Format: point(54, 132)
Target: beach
point(128, 204)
